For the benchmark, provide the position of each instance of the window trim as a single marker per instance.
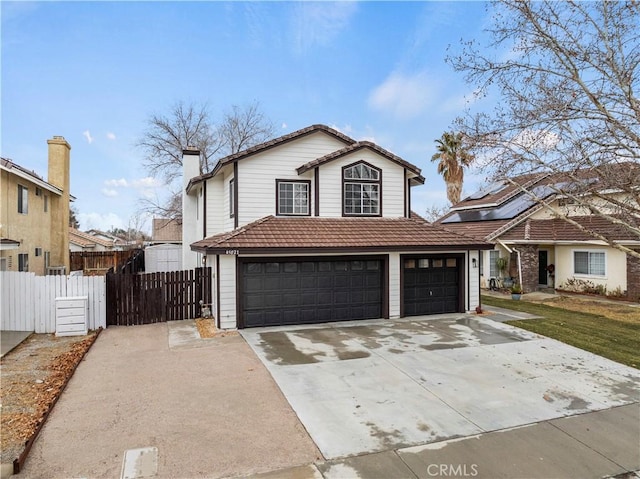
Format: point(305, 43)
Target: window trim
point(361, 181)
point(232, 198)
point(23, 262)
point(293, 182)
point(23, 200)
point(589, 253)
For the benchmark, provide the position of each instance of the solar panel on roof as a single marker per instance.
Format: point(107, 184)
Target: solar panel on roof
point(487, 190)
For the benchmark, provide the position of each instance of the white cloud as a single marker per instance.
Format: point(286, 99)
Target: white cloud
point(111, 136)
point(121, 182)
point(100, 221)
point(404, 96)
point(87, 135)
point(284, 126)
point(109, 192)
point(319, 23)
point(146, 182)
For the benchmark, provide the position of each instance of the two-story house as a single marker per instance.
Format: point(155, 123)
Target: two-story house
point(34, 214)
point(314, 227)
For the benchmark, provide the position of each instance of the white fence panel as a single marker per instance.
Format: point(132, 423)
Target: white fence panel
point(27, 301)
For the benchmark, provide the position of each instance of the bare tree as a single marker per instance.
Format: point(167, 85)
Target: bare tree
point(566, 78)
point(433, 212)
point(191, 125)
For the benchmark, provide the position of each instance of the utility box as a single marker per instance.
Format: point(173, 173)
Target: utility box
point(72, 316)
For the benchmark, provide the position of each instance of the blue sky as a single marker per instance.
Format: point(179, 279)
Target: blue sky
point(93, 72)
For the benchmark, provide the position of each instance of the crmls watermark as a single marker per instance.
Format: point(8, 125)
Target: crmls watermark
point(452, 470)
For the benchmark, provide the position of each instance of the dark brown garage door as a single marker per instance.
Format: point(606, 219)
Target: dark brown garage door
point(305, 292)
point(431, 285)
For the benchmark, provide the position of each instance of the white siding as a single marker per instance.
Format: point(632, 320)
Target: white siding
point(472, 276)
point(215, 206)
point(257, 174)
point(394, 285)
point(162, 257)
point(228, 292)
point(393, 180)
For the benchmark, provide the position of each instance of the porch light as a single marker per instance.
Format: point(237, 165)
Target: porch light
point(474, 262)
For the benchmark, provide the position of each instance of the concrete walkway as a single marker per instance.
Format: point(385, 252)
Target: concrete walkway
point(10, 339)
point(592, 445)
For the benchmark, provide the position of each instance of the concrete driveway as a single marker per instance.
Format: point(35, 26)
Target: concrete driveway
point(370, 386)
point(201, 408)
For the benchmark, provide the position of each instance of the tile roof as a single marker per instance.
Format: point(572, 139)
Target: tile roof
point(478, 229)
point(166, 229)
point(358, 146)
point(86, 240)
point(556, 229)
point(312, 234)
point(270, 144)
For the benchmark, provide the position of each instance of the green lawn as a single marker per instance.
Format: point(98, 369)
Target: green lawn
point(613, 339)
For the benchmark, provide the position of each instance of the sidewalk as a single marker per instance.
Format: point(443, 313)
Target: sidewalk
point(593, 445)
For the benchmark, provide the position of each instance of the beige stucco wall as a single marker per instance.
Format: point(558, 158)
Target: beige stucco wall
point(615, 267)
point(33, 229)
point(38, 228)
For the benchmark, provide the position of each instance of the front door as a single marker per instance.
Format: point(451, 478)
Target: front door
point(543, 262)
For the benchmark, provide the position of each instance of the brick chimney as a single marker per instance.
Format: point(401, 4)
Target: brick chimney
point(59, 176)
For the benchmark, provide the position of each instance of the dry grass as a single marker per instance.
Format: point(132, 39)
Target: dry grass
point(207, 329)
point(611, 310)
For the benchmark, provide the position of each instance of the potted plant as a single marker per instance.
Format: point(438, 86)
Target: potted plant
point(516, 291)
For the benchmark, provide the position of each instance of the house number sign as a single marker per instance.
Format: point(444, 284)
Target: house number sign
point(232, 251)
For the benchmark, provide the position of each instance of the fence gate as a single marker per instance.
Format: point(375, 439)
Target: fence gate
point(156, 297)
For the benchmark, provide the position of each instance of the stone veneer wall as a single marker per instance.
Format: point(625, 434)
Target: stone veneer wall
point(529, 265)
point(633, 278)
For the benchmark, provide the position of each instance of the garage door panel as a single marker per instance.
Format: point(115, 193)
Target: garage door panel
point(431, 285)
point(310, 292)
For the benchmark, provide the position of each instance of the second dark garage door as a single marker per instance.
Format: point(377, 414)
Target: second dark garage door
point(431, 285)
point(303, 292)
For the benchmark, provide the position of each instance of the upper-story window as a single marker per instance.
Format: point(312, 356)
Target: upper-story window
point(292, 197)
point(23, 200)
point(361, 190)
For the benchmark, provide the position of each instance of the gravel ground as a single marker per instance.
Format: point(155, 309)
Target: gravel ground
point(32, 376)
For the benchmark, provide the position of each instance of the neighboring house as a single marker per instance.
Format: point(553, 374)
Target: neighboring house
point(35, 214)
point(313, 227)
point(79, 241)
point(165, 251)
point(119, 244)
point(545, 251)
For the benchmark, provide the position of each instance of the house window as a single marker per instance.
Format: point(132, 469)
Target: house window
point(38, 252)
point(3, 264)
point(46, 203)
point(292, 197)
point(23, 262)
point(361, 190)
point(591, 263)
point(23, 199)
point(232, 197)
point(493, 267)
point(47, 259)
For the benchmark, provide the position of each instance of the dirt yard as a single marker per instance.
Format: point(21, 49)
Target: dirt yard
point(610, 309)
point(33, 375)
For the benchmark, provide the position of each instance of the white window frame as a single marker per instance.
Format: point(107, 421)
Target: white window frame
point(494, 254)
point(365, 184)
point(23, 262)
point(23, 200)
point(300, 201)
point(589, 252)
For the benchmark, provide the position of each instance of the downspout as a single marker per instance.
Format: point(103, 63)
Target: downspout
point(511, 250)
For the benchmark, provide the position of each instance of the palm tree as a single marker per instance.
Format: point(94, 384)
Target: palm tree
point(452, 157)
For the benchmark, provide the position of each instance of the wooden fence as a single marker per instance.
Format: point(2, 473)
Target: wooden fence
point(27, 301)
point(156, 297)
point(99, 262)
